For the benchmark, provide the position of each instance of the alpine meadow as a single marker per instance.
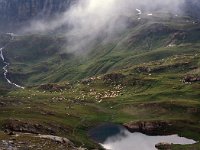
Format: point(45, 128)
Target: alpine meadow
point(99, 75)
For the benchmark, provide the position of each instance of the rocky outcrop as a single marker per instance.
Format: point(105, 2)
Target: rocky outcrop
point(53, 87)
point(190, 78)
point(143, 69)
point(58, 139)
point(26, 127)
point(163, 146)
point(19, 141)
point(113, 77)
point(149, 127)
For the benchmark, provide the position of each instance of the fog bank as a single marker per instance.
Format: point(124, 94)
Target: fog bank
point(88, 20)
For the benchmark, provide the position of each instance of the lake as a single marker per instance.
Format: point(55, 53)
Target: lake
point(117, 137)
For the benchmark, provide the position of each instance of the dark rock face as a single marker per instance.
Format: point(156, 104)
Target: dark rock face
point(190, 78)
point(113, 77)
point(53, 87)
point(163, 146)
point(20, 126)
point(14, 12)
point(149, 127)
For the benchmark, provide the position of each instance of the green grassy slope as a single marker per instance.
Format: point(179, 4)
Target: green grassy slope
point(37, 59)
point(138, 76)
point(144, 92)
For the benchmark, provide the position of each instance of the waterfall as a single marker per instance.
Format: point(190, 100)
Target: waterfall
point(5, 68)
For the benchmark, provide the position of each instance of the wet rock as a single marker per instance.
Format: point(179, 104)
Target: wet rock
point(148, 127)
point(163, 146)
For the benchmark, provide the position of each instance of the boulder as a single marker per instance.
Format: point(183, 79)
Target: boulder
point(163, 146)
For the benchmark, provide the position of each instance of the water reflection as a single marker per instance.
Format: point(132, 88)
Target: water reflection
point(116, 137)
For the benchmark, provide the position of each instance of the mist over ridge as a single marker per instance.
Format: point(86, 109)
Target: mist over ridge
point(88, 19)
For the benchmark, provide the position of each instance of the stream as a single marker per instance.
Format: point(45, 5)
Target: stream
point(5, 67)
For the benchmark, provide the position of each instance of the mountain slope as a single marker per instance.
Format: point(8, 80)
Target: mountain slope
point(41, 59)
point(146, 76)
point(15, 14)
point(164, 90)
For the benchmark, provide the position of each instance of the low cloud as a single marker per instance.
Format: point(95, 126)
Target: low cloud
point(88, 20)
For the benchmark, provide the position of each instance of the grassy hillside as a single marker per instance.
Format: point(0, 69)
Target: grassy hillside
point(37, 59)
point(150, 72)
point(144, 92)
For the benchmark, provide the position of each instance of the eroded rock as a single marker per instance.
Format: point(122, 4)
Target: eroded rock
point(52, 87)
point(58, 139)
point(26, 127)
point(113, 77)
point(163, 146)
point(190, 78)
point(148, 127)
